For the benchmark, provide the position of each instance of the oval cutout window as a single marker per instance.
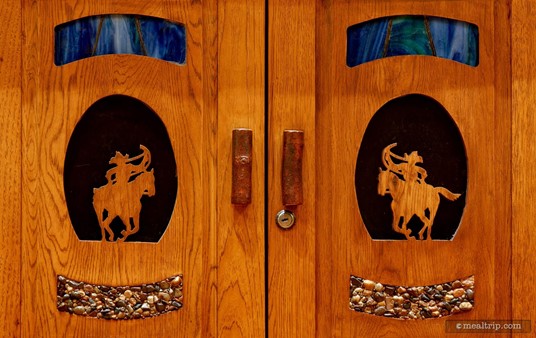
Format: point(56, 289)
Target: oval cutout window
point(120, 174)
point(411, 171)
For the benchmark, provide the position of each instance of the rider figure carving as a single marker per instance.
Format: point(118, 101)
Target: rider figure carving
point(408, 168)
point(124, 169)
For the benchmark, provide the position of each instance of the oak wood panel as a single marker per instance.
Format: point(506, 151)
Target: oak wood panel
point(291, 105)
point(241, 299)
point(54, 99)
point(10, 168)
point(523, 153)
point(478, 100)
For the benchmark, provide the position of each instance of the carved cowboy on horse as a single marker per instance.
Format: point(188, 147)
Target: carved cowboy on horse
point(411, 195)
point(120, 197)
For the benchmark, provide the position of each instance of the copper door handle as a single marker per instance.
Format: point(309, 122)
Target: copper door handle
point(291, 180)
point(242, 164)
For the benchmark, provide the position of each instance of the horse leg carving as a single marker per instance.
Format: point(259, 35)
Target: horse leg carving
point(405, 230)
point(105, 225)
point(128, 229)
point(136, 222)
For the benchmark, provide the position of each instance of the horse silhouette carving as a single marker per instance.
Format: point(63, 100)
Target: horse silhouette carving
point(411, 195)
point(121, 196)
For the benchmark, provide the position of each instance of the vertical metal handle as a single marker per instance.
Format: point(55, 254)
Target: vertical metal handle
point(292, 185)
point(242, 163)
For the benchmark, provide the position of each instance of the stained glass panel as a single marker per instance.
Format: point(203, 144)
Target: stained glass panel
point(412, 35)
point(120, 34)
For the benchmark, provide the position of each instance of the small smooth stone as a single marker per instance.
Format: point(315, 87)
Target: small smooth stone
point(177, 281)
point(120, 303)
point(152, 299)
point(438, 296)
point(368, 284)
point(379, 311)
point(378, 296)
point(355, 281)
point(413, 292)
point(378, 287)
point(121, 315)
point(446, 286)
point(466, 306)
point(401, 290)
point(389, 314)
point(176, 304)
point(371, 302)
point(145, 307)
point(135, 289)
point(405, 295)
point(148, 288)
point(127, 294)
point(164, 296)
point(456, 284)
point(457, 293)
point(449, 297)
point(403, 313)
point(439, 287)
point(160, 307)
point(78, 294)
point(389, 303)
point(435, 313)
point(425, 298)
point(398, 299)
point(426, 314)
point(356, 299)
point(88, 288)
point(367, 293)
point(455, 309)
point(470, 293)
point(177, 293)
point(390, 290)
point(468, 283)
point(406, 305)
point(164, 285)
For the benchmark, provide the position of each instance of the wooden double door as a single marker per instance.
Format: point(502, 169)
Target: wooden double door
point(269, 67)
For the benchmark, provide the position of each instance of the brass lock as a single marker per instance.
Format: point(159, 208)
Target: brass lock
point(285, 219)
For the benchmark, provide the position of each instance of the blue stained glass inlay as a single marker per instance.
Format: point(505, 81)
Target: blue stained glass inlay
point(412, 35)
point(458, 42)
point(120, 34)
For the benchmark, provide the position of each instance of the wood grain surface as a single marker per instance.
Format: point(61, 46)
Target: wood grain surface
point(478, 101)
point(291, 105)
point(523, 154)
point(10, 168)
point(241, 309)
point(217, 247)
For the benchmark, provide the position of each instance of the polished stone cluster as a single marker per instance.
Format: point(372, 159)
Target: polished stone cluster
point(416, 302)
point(121, 302)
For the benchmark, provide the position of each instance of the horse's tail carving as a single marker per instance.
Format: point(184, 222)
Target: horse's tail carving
point(447, 193)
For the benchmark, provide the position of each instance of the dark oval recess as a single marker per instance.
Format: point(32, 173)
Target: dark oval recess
point(118, 123)
point(417, 123)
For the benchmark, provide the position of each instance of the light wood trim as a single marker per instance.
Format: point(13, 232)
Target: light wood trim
point(523, 154)
point(10, 169)
point(475, 97)
point(54, 98)
point(291, 105)
point(241, 306)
